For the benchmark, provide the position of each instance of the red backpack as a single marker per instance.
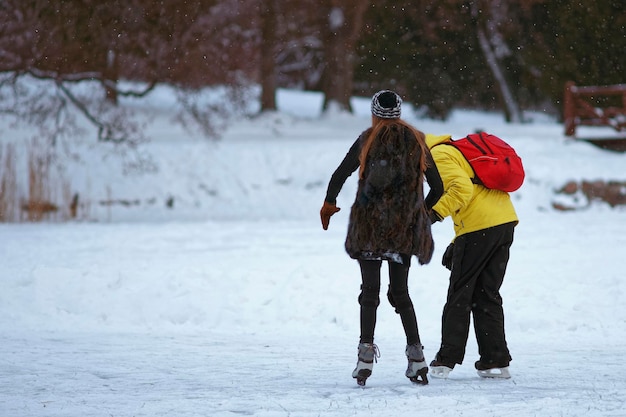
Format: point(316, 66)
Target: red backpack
point(495, 163)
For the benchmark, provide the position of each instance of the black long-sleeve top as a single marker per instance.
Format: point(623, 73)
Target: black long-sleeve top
point(351, 163)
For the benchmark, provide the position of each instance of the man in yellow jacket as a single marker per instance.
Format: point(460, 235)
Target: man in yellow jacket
point(484, 221)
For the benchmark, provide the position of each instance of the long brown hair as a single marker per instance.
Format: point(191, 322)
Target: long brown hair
point(380, 130)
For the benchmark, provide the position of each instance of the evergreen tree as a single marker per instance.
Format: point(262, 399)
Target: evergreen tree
point(571, 40)
point(427, 51)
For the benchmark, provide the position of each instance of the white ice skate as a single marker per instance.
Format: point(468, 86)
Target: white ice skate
point(439, 369)
point(494, 373)
point(492, 370)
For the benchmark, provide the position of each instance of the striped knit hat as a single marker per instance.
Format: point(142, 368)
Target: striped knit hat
point(386, 105)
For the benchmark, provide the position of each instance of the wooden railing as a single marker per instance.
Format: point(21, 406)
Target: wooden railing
point(580, 107)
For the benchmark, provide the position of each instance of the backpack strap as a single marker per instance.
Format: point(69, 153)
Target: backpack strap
point(475, 180)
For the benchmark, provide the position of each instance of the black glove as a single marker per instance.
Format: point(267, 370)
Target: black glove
point(435, 217)
point(446, 259)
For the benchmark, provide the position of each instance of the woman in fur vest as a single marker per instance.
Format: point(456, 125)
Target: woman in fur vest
point(389, 221)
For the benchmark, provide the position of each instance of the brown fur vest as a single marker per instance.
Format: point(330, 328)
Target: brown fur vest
point(388, 217)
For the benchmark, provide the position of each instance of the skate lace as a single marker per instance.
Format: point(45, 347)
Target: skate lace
point(375, 351)
point(414, 353)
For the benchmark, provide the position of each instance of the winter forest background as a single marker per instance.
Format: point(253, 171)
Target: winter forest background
point(76, 72)
point(511, 55)
point(505, 54)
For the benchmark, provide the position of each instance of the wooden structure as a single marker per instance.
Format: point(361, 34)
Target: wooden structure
point(582, 107)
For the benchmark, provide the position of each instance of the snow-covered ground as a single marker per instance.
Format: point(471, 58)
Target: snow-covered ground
point(235, 302)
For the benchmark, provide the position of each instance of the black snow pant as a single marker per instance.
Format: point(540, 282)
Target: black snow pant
point(479, 263)
point(398, 295)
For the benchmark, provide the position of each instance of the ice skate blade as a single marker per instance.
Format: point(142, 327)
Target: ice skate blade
point(416, 372)
point(416, 380)
point(361, 376)
point(500, 373)
point(441, 372)
point(421, 377)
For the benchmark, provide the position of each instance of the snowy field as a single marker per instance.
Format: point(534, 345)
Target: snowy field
point(235, 302)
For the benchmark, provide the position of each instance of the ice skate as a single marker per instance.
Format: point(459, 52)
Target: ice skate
point(492, 370)
point(368, 354)
point(440, 370)
point(417, 368)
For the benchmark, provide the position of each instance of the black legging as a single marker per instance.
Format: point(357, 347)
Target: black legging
point(369, 299)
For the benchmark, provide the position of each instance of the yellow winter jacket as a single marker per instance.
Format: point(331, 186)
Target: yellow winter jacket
point(472, 207)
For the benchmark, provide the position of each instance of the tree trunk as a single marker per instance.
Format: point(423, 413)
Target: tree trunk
point(110, 76)
point(268, 55)
point(511, 109)
point(510, 105)
point(344, 23)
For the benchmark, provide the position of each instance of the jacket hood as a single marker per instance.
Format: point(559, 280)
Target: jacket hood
point(432, 140)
